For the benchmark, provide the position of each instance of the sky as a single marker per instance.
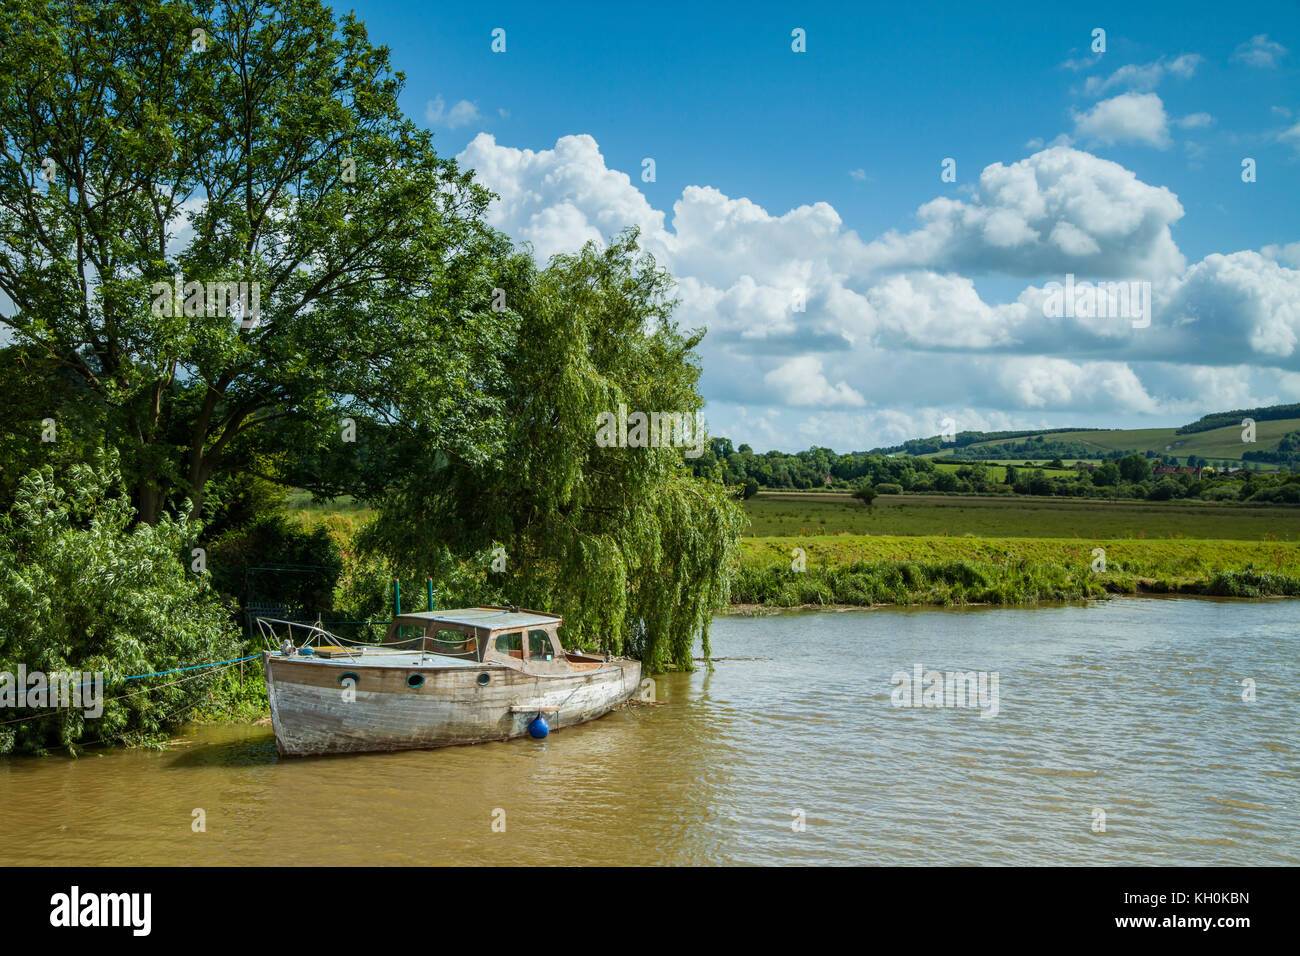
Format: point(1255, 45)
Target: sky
point(853, 295)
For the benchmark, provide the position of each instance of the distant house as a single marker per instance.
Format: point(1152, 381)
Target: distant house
point(1159, 468)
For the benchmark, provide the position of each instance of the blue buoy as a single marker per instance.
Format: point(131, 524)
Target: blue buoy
point(539, 728)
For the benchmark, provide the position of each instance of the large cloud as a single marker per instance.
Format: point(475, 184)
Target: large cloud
point(558, 199)
point(1060, 210)
point(811, 327)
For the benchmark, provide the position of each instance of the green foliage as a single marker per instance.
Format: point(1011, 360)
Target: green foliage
point(889, 488)
point(1134, 467)
point(80, 589)
point(292, 565)
point(806, 469)
point(625, 543)
point(865, 493)
point(281, 152)
point(862, 570)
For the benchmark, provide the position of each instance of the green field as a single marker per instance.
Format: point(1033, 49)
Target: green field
point(801, 513)
point(1223, 443)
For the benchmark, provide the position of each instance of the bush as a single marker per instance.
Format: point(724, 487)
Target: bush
point(310, 560)
point(84, 589)
point(889, 488)
point(1278, 494)
point(1225, 492)
point(1164, 490)
point(865, 493)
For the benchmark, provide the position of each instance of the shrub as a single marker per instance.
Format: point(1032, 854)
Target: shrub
point(889, 488)
point(310, 559)
point(82, 588)
point(865, 493)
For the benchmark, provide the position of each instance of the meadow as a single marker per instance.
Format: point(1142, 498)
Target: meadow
point(823, 513)
point(828, 549)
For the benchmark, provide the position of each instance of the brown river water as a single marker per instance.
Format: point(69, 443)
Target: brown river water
point(1132, 708)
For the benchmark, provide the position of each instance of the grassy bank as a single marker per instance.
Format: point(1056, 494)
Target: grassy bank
point(868, 570)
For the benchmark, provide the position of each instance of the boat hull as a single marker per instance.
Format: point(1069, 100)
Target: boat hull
point(312, 712)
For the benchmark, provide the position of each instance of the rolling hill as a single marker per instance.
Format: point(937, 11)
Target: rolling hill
point(1222, 443)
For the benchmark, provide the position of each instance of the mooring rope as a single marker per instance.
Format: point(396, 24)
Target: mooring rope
point(176, 670)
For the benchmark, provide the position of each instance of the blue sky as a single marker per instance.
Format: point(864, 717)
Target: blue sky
point(779, 174)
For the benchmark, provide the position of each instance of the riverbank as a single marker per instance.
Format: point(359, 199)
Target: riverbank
point(874, 570)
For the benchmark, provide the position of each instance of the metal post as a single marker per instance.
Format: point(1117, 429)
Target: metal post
point(428, 584)
point(397, 597)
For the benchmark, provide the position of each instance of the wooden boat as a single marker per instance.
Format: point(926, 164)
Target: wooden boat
point(460, 676)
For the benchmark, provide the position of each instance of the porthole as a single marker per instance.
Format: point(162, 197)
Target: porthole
point(415, 680)
point(349, 676)
point(484, 679)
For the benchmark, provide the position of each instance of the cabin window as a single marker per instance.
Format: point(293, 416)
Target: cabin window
point(511, 643)
point(539, 646)
point(454, 643)
point(405, 631)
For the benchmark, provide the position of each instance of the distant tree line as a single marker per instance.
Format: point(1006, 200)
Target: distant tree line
point(1121, 475)
point(928, 446)
point(805, 469)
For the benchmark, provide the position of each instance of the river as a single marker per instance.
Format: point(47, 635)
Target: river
point(1121, 736)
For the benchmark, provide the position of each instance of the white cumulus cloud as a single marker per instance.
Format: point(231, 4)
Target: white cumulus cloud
point(1127, 118)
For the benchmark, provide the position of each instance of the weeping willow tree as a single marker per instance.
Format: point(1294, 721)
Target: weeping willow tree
point(632, 549)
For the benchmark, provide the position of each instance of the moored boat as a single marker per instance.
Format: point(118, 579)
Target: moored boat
point(460, 676)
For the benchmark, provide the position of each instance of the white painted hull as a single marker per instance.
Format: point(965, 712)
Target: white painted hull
point(311, 712)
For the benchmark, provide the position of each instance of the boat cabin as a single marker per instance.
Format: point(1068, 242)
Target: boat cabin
point(525, 640)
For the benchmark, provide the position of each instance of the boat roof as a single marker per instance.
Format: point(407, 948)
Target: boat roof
point(492, 618)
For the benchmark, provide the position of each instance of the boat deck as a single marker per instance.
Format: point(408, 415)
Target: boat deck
point(379, 657)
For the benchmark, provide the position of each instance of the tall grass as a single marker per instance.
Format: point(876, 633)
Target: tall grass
point(870, 570)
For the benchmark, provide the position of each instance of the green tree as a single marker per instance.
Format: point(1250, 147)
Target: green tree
point(631, 548)
point(269, 149)
point(1106, 474)
point(1134, 467)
